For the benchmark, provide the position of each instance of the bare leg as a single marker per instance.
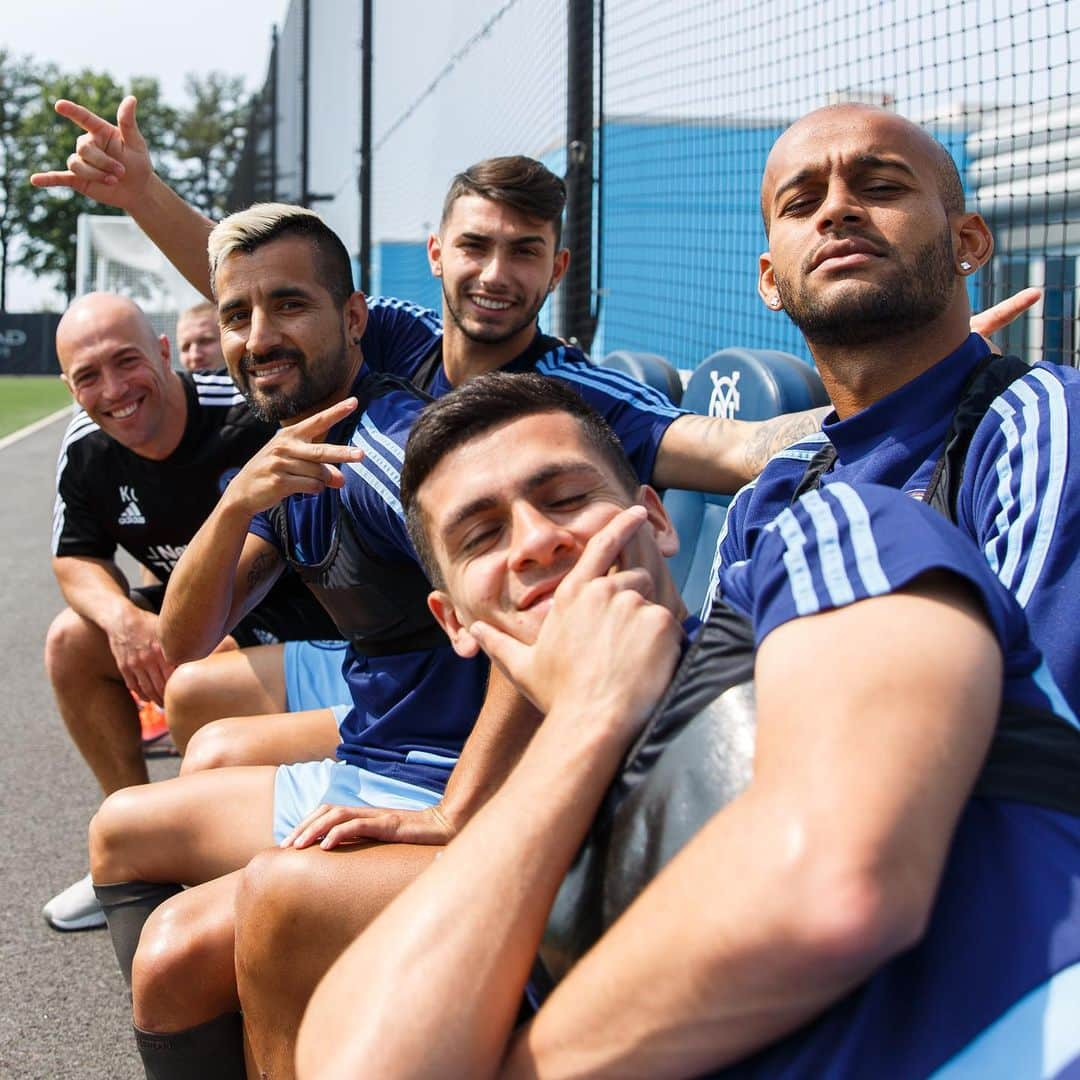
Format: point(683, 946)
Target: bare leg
point(296, 912)
point(262, 740)
point(239, 682)
point(183, 972)
point(186, 830)
point(100, 714)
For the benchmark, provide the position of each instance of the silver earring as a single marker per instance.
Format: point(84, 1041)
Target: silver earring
point(774, 302)
point(965, 265)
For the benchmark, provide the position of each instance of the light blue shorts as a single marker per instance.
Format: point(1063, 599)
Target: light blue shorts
point(300, 788)
point(313, 678)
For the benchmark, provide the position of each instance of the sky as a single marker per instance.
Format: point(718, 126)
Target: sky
point(134, 37)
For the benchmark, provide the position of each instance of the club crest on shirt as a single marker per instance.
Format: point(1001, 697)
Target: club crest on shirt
point(131, 514)
point(725, 399)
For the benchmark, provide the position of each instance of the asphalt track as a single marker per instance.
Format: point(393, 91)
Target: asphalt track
point(64, 1010)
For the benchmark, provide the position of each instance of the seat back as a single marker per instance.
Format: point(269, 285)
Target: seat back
point(648, 368)
point(740, 384)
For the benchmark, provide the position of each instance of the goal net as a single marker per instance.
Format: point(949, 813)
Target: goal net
point(114, 255)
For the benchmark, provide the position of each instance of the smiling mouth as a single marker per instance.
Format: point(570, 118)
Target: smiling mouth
point(124, 411)
point(488, 304)
point(268, 371)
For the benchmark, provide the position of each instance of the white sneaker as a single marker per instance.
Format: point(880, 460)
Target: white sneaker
point(76, 908)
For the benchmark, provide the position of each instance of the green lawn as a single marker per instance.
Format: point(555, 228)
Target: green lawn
point(26, 398)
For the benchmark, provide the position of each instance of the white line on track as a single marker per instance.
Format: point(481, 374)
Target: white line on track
point(37, 425)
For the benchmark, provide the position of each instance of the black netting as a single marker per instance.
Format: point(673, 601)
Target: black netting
point(688, 97)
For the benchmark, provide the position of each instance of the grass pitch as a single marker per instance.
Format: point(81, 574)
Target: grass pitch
point(26, 398)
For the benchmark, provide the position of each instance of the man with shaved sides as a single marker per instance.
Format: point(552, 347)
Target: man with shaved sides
point(870, 250)
point(142, 463)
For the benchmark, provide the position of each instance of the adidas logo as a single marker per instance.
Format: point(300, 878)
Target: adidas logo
point(132, 515)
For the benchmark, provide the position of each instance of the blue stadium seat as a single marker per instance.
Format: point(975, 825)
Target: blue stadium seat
point(742, 384)
point(648, 368)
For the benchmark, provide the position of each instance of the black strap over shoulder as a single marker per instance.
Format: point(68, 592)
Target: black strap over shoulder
point(423, 377)
point(990, 378)
point(821, 463)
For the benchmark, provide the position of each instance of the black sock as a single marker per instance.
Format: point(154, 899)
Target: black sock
point(127, 905)
point(210, 1051)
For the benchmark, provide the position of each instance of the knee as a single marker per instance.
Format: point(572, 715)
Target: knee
point(210, 747)
point(111, 829)
point(69, 639)
point(167, 969)
point(185, 701)
point(272, 910)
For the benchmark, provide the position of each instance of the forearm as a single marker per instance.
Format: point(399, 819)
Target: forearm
point(709, 964)
point(454, 951)
point(206, 597)
point(177, 229)
point(827, 866)
point(94, 588)
point(503, 729)
point(707, 453)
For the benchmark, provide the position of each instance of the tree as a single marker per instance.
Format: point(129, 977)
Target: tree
point(48, 219)
point(209, 138)
point(18, 88)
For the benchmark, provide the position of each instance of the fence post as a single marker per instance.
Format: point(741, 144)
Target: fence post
point(364, 177)
point(576, 320)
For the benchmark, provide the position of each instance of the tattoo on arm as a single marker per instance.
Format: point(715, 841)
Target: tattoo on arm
point(773, 435)
point(261, 568)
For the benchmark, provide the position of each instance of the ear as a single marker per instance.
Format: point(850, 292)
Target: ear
point(434, 254)
point(766, 285)
point(356, 316)
point(446, 615)
point(67, 382)
point(166, 353)
point(973, 243)
point(667, 538)
point(558, 272)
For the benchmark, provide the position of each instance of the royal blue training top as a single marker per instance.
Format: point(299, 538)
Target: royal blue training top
point(993, 986)
point(1019, 500)
point(401, 336)
point(412, 711)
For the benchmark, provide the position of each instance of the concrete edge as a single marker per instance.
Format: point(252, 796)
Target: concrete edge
point(37, 425)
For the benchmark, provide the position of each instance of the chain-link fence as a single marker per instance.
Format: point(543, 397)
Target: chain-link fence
point(687, 98)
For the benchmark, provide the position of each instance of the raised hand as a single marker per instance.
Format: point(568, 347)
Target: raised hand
point(294, 461)
point(988, 322)
point(111, 162)
point(604, 647)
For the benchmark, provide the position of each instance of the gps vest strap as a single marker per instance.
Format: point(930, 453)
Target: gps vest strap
point(990, 378)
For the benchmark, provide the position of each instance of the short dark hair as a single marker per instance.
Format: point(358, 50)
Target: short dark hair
point(521, 182)
point(247, 230)
point(487, 402)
